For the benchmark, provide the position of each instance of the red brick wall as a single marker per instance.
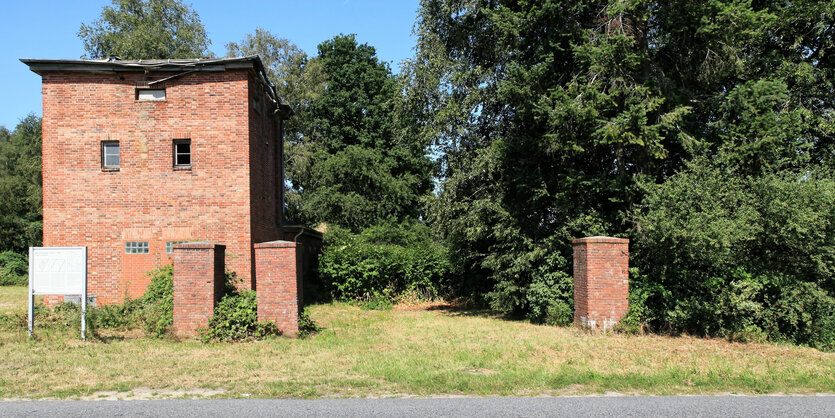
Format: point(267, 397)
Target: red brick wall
point(265, 159)
point(601, 281)
point(198, 285)
point(279, 283)
point(147, 199)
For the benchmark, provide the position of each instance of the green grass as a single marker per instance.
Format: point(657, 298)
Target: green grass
point(13, 299)
point(421, 352)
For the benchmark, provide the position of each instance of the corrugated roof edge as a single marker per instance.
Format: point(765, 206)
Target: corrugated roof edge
point(37, 64)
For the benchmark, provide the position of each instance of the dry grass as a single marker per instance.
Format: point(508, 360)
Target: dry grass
point(432, 351)
point(13, 299)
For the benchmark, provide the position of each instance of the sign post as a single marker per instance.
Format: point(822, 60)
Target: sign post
point(31, 295)
point(58, 271)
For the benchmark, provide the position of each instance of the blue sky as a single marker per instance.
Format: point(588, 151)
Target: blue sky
point(48, 28)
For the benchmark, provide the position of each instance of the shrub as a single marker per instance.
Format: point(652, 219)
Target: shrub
point(803, 314)
point(550, 299)
point(236, 318)
point(156, 307)
point(14, 269)
point(747, 258)
point(385, 259)
point(153, 312)
point(114, 316)
point(639, 314)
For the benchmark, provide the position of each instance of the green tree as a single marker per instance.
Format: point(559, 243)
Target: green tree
point(361, 166)
point(283, 60)
point(145, 29)
point(546, 115)
point(549, 114)
point(21, 212)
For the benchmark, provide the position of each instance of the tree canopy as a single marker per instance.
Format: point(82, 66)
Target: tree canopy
point(20, 186)
point(282, 59)
point(550, 115)
point(145, 29)
point(360, 167)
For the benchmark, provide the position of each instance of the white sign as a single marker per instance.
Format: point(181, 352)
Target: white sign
point(59, 271)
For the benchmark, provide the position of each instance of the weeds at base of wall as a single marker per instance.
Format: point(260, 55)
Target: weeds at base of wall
point(236, 319)
point(152, 313)
point(307, 327)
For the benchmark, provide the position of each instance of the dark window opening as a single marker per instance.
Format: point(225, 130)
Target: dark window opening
point(182, 153)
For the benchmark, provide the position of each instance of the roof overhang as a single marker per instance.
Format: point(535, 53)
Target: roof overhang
point(41, 66)
point(115, 65)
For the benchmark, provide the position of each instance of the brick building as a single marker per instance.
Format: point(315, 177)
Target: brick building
point(141, 155)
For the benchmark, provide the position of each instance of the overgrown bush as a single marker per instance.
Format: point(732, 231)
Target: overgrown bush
point(14, 269)
point(156, 306)
point(153, 312)
point(747, 258)
point(551, 299)
point(387, 259)
point(803, 313)
point(236, 318)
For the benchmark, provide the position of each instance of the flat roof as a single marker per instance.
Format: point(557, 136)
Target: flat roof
point(120, 65)
point(116, 65)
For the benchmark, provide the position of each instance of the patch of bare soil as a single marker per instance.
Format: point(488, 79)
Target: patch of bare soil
point(423, 306)
point(143, 393)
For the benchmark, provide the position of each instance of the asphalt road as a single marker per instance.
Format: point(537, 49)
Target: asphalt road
point(641, 406)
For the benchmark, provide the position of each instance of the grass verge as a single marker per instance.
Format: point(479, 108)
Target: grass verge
point(429, 351)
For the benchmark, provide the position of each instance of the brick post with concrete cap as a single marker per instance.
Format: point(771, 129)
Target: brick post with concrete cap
point(601, 281)
point(279, 283)
point(199, 272)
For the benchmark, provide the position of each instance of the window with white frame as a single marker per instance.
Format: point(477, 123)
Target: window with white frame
point(150, 95)
point(182, 153)
point(110, 156)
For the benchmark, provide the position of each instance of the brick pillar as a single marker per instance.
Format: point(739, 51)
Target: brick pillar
point(601, 281)
point(198, 284)
point(278, 276)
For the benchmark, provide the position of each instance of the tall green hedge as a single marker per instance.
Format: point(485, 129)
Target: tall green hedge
point(722, 253)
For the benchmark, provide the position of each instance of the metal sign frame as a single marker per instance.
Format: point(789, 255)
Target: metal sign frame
point(32, 292)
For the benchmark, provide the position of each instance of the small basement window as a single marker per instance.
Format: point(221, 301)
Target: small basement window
point(169, 245)
point(136, 247)
point(110, 157)
point(182, 153)
point(150, 95)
